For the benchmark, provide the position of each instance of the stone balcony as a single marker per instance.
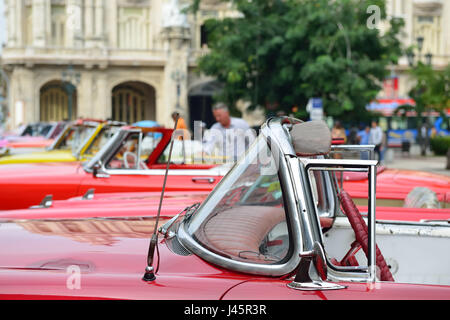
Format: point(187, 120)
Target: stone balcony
point(89, 57)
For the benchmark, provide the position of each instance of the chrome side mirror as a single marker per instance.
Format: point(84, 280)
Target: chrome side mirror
point(316, 258)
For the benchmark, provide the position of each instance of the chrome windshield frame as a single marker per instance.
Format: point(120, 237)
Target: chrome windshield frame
point(282, 152)
point(361, 274)
point(58, 139)
point(108, 149)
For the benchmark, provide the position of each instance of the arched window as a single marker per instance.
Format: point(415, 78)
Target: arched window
point(54, 103)
point(133, 102)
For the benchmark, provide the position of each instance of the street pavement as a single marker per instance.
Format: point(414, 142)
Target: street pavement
point(414, 161)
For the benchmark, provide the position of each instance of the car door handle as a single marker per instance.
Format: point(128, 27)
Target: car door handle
point(203, 179)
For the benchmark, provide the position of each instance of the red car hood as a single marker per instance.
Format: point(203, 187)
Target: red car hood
point(105, 259)
point(111, 255)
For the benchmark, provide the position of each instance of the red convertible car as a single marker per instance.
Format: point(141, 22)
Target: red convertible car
point(114, 168)
point(31, 137)
point(277, 229)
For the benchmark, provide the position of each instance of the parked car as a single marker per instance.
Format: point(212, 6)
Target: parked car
point(78, 141)
point(115, 168)
point(111, 171)
point(277, 226)
point(31, 137)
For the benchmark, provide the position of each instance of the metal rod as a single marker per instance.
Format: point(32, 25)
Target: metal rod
point(149, 270)
point(371, 224)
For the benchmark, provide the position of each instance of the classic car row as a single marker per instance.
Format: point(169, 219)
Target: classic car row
point(286, 229)
point(26, 138)
point(101, 155)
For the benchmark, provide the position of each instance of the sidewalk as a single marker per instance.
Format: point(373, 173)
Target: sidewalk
point(429, 163)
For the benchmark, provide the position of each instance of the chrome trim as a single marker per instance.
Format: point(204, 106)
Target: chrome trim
point(372, 262)
point(303, 280)
point(351, 147)
point(292, 219)
point(158, 172)
point(344, 273)
point(45, 203)
point(57, 141)
point(108, 149)
point(89, 195)
point(207, 179)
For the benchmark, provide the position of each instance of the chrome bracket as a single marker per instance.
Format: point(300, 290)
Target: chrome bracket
point(303, 280)
point(45, 203)
point(89, 195)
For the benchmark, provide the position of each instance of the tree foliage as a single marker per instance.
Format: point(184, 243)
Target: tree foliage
point(432, 89)
point(280, 53)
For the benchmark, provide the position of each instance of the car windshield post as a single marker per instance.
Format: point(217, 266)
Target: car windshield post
point(367, 273)
point(90, 133)
point(270, 203)
point(106, 151)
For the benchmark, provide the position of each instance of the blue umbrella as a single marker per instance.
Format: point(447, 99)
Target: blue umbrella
point(147, 124)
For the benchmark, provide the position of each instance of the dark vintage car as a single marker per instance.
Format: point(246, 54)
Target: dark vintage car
point(277, 226)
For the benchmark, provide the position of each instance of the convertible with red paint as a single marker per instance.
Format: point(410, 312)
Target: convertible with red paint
point(115, 169)
point(277, 226)
point(134, 159)
point(30, 137)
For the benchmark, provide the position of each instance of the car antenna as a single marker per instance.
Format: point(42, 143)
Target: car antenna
point(149, 270)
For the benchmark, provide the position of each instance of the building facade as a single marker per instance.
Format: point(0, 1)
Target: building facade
point(126, 60)
point(427, 29)
point(134, 60)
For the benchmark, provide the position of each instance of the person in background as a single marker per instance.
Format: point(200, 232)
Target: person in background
point(424, 138)
point(229, 136)
point(338, 131)
point(181, 125)
point(353, 136)
point(363, 138)
point(376, 138)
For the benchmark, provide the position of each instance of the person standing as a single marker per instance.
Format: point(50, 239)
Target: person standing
point(363, 138)
point(424, 139)
point(376, 138)
point(338, 132)
point(229, 136)
point(181, 125)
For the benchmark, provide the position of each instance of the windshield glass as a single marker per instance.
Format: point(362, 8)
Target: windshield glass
point(244, 218)
point(99, 141)
point(74, 137)
point(184, 152)
point(129, 151)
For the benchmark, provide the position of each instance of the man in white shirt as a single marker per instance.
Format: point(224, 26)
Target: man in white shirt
point(376, 138)
point(229, 137)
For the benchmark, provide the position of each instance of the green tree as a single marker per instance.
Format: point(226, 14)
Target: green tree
point(280, 53)
point(431, 91)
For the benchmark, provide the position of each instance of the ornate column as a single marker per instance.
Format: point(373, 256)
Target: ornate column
point(74, 23)
point(177, 35)
point(89, 21)
point(11, 21)
point(99, 19)
point(39, 22)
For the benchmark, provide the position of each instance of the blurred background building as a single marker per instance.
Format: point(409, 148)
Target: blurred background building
point(127, 60)
point(426, 29)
